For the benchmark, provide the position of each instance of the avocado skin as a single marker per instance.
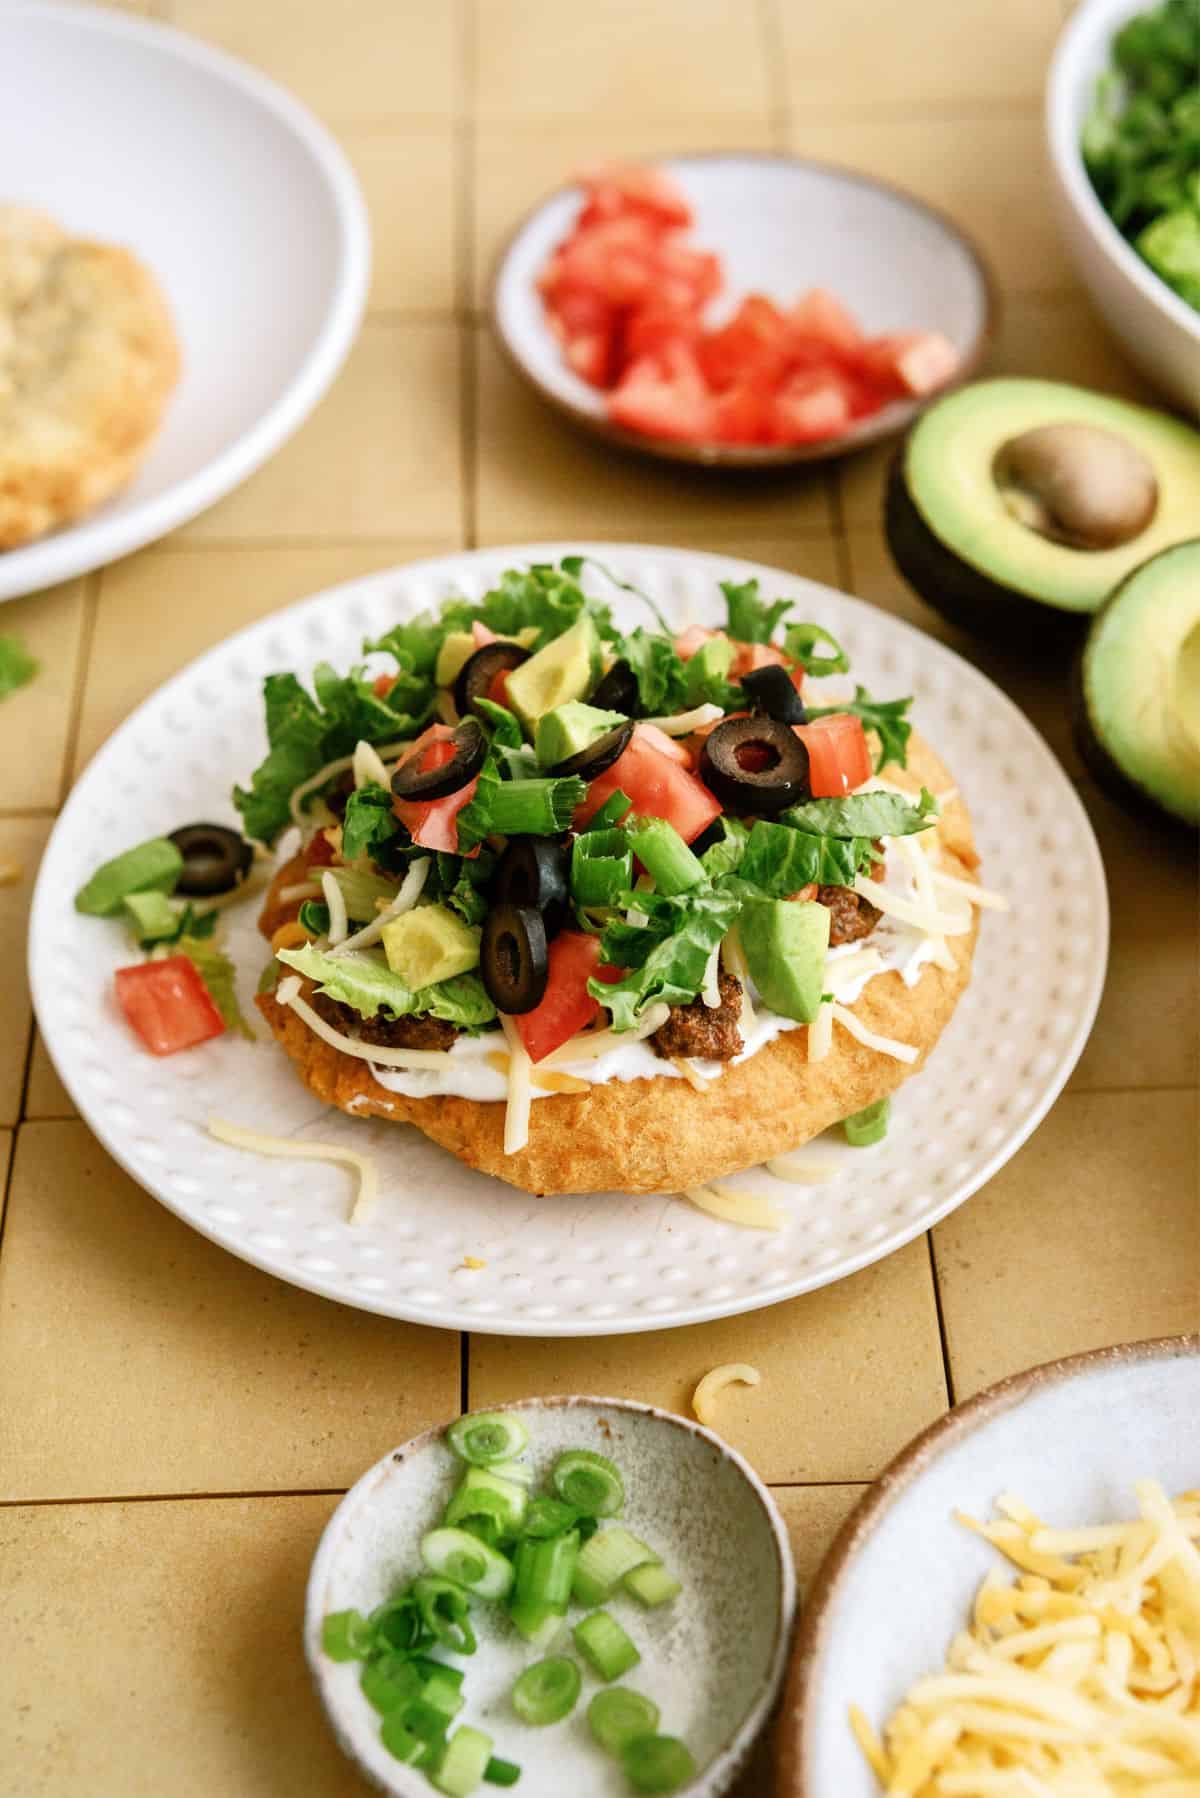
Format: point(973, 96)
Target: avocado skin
point(1108, 776)
point(963, 594)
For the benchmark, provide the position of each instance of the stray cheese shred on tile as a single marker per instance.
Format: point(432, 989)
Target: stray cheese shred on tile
point(733, 1373)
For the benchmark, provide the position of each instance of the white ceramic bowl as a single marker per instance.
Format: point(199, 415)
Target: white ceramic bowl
point(713, 1660)
point(1069, 1439)
point(238, 200)
point(780, 224)
point(1159, 331)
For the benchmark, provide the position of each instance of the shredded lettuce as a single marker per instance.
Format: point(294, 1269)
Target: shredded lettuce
point(666, 958)
point(800, 641)
point(723, 856)
point(751, 620)
point(885, 717)
point(368, 986)
point(217, 972)
point(779, 861)
point(369, 823)
point(17, 666)
point(660, 674)
point(541, 598)
point(863, 815)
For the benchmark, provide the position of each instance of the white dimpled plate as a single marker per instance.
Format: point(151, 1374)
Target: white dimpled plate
point(604, 1263)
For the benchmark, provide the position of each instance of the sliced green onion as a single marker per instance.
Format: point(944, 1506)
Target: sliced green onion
point(482, 1493)
point(390, 1681)
point(153, 917)
point(428, 1668)
point(518, 1473)
point(540, 1625)
point(869, 1125)
point(400, 1741)
point(618, 1716)
point(467, 1561)
point(487, 1529)
point(611, 812)
point(485, 1437)
point(652, 1585)
point(399, 1624)
point(443, 1692)
point(501, 1773)
point(539, 807)
point(603, 1564)
point(665, 856)
point(601, 867)
point(155, 865)
point(657, 1764)
point(444, 1609)
point(544, 1571)
point(590, 1481)
point(347, 1636)
point(463, 1763)
point(547, 1692)
point(549, 1517)
point(605, 1646)
point(314, 917)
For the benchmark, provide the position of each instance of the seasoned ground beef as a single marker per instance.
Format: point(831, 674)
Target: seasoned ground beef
point(851, 916)
point(699, 1029)
point(386, 1033)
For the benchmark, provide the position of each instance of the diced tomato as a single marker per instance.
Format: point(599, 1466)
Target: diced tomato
point(498, 687)
point(319, 853)
point(431, 822)
point(743, 412)
point(613, 188)
point(754, 341)
point(686, 276)
point(593, 356)
point(658, 739)
point(613, 260)
point(382, 685)
point(910, 361)
point(756, 655)
point(577, 310)
point(651, 328)
point(482, 635)
point(664, 396)
point(819, 315)
point(566, 1007)
point(808, 407)
point(658, 786)
point(692, 639)
point(168, 1004)
point(838, 757)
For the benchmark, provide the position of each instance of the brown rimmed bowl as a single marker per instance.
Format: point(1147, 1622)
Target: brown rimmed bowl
point(1069, 1439)
point(781, 224)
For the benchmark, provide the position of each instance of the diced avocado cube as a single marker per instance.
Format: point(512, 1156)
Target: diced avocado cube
point(785, 943)
point(709, 667)
point(565, 669)
point(570, 729)
point(430, 944)
point(457, 648)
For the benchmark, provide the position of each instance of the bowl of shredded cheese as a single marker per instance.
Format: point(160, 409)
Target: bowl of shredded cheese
point(1014, 1609)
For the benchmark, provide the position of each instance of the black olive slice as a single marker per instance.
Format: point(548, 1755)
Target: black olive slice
point(755, 766)
point(533, 871)
point(599, 756)
point(770, 690)
point(470, 748)
point(215, 859)
point(618, 691)
point(480, 670)
point(513, 959)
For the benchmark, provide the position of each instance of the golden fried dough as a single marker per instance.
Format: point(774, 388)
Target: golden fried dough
point(88, 356)
point(661, 1135)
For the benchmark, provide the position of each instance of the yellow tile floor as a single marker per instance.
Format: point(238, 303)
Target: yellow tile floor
point(175, 1427)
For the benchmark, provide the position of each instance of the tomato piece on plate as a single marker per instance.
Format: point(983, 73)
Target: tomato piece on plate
point(754, 342)
point(750, 656)
point(431, 822)
point(168, 1004)
point(658, 739)
point(821, 317)
point(743, 412)
point(839, 759)
point(655, 326)
point(382, 685)
point(910, 361)
point(613, 260)
point(664, 396)
point(809, 407)
point(498, 687)
point(592, 355)
point(566, 1007)
point(692, 639)
point(658, 787)
point(483, 636)
point(613, 188)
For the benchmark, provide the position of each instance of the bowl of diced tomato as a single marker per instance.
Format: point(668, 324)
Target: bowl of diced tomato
point(739, 309)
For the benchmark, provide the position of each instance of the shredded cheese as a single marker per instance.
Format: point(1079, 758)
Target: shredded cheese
point(684, 723)
point(316, 781)
point(970, 889)
point(335, 899)
point(912, 851)
point(884, 1045)
point(820, 1033)
point(368, 765)
point(520, 1090)
point(909, 911)
point(801, 1173)
point(853, 967)
point(367, 1194)
point(288, 993)
point(749, 1209)
point(299, 890)
point(1077, 1681)
point(590, 1046)
point(406, 898)
point(710, 992)
point(547, 1083)
point(473, 1263)
point(691, 1073)
point(735, 960)
point(733, 1373)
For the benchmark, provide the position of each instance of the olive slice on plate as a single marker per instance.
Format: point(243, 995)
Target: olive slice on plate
point(215, 859)
point(470, 747)
point(599, 756)
point(770, 691)
point(480, 670)
point(533, 871)
point(754, 766)
point(513, 959)
point(618, 691)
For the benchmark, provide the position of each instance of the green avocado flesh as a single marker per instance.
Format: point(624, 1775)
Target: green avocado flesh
point(785, 943)
point(948, 476)
point(1140, 680)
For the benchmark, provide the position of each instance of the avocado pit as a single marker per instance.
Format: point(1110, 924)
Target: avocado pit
point(1077, 484)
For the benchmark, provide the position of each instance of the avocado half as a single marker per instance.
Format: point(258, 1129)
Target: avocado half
point(969, 556)
point(1137, 688)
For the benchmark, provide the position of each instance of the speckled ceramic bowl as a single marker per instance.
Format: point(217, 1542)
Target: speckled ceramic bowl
point(713, 1660)
point(1069, 1439)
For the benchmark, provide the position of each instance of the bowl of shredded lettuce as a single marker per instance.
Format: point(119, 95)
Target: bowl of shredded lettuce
point(1123, 122)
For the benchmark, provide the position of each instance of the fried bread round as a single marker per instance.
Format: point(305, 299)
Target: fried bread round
point(661, 1135)
point(88, 358)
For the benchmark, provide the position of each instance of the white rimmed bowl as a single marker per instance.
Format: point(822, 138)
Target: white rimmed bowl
point(240, 202)
point(713, 1660)
point(780, 224)
point(1069, 1439)
point(1159, 331)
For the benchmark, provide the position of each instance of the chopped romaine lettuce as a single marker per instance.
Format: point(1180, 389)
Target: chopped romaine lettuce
point(657, 669)
point(368, 823)
point(364, 982)
point(667, 958)
point(723, 856)
point(217, 972)
point(863, 815)
point(751, 620)
point(780, 862)
point(801, 640)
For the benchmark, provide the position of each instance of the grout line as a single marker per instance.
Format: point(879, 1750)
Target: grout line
point(206, 545)
point(417, 315)
point(815, 1485)
point(947, 1368)
point(170, 1498)
point(6, 1193)
point(14, 813)
point(464, 1372)
point(87, 633)
point(771, 40)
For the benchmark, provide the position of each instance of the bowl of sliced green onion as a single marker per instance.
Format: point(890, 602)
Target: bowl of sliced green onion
point(573, 1595)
